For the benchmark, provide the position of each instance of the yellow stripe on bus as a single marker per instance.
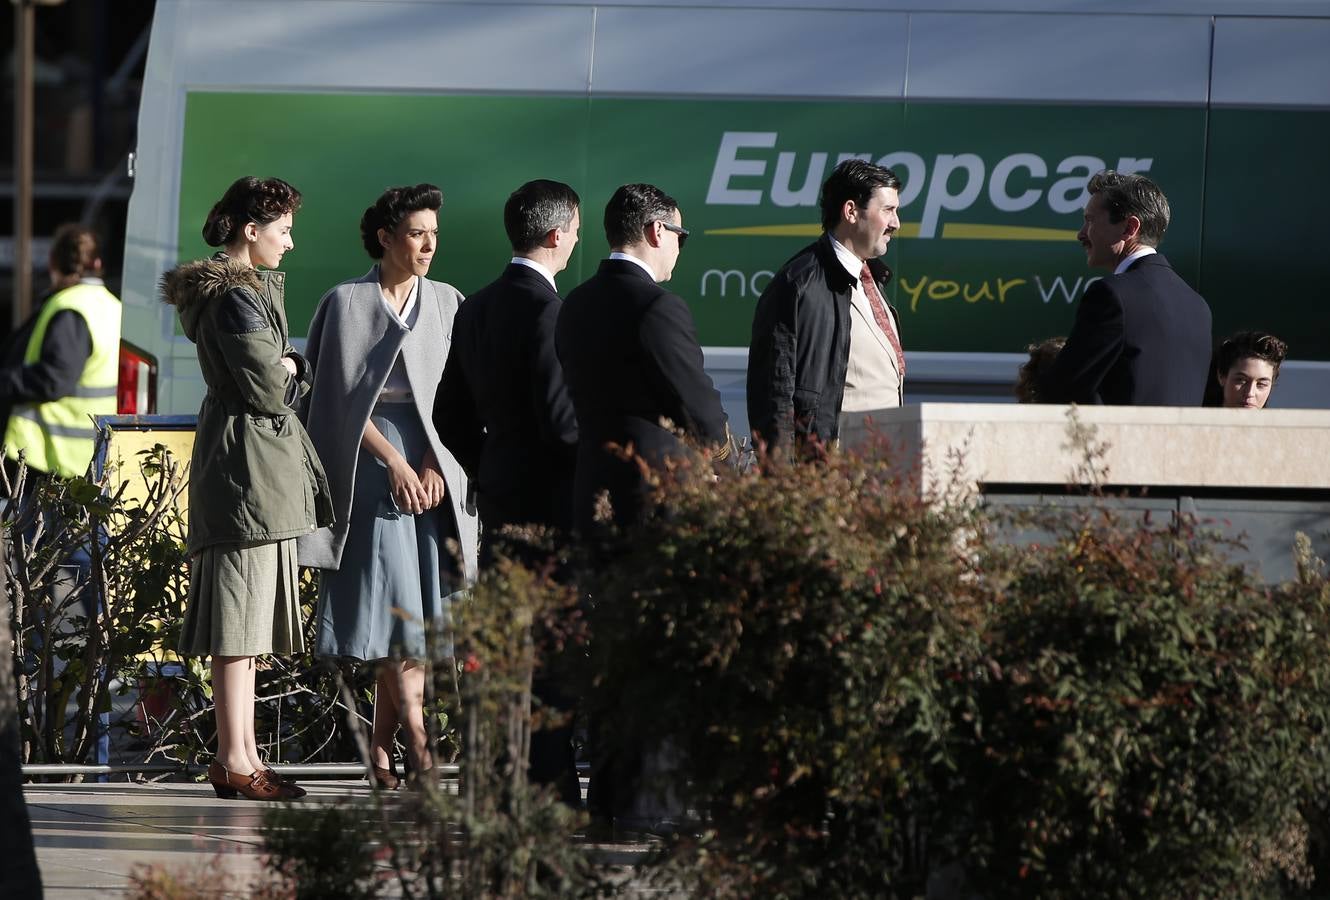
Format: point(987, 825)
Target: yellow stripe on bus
point(967, 232)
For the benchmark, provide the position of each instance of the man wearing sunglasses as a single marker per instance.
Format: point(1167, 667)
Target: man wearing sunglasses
point(632, 361)
point(826, 344)
point(633, 367)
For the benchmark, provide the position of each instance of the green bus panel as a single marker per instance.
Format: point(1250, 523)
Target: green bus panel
point(341, 151)
point(1267, 212)
point(987, 260)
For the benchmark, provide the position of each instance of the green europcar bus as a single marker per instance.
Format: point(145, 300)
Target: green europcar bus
point(994, 114)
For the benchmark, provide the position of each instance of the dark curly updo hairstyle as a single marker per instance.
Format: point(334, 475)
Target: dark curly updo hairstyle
point(394, 205)
point(1036, 368)
point(1254, 344)
point(248, 199)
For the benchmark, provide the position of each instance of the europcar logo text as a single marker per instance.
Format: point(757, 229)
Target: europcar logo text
point(750, 169)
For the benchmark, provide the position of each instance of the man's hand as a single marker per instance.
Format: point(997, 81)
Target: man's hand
point(290, 365)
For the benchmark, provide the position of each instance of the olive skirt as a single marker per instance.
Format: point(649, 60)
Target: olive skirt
point(244, 600)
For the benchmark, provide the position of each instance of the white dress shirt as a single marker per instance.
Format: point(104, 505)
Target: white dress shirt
point(1136, 254)
point(532, 264)
point(633, 259)
point(397, 389)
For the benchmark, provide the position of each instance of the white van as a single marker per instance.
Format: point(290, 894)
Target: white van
point(993, 113)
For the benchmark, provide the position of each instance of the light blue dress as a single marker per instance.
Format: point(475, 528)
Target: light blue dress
point(390, 583)
point(390, 594)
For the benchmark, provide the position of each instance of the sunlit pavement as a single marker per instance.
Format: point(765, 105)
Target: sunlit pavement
point(90, 837)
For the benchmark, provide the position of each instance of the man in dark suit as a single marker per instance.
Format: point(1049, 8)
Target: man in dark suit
point(1141, 336)
point(632, 360)
point(503, 411)
point(634, 370)
point(502, 408)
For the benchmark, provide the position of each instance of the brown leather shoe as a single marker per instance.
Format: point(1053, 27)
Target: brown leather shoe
point(290, 790)
point(255, 786)
point(384, 778)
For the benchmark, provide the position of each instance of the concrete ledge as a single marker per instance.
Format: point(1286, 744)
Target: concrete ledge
point(1001, 443)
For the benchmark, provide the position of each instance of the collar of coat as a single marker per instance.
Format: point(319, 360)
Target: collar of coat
point(837, 277)
point(202, 280)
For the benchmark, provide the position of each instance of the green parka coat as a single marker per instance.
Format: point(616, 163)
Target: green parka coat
point(254, 476)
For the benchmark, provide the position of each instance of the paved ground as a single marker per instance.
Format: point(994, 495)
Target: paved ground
point(90, 837)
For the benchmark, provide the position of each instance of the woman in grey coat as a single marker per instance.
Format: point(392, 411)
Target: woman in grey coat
point(377, 346)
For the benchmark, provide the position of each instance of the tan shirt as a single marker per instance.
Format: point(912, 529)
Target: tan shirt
point(872, 377)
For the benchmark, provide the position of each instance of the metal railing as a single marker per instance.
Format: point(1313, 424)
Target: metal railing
point(305, 770)
point(312, 770)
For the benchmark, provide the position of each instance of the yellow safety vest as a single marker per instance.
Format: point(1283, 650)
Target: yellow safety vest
point(57, 437)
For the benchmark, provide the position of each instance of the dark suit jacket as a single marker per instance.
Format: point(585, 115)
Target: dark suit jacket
point(631, 357)
point(502, 408)
point(1141, 338)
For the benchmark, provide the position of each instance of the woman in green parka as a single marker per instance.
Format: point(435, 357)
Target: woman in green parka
point(255, 482)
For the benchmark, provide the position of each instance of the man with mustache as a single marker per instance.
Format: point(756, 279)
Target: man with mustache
point(825, 342)
point(1141, 336)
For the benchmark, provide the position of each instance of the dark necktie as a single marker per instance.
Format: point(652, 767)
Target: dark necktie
point(880, 314)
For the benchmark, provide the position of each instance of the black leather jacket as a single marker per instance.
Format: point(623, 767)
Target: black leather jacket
point(801, 347)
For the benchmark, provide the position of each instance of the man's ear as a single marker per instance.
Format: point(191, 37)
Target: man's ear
point(849, 211)
point(552, 239)
point(1131, 227)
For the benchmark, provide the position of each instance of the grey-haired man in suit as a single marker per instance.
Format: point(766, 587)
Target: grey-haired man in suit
point(1142, 335)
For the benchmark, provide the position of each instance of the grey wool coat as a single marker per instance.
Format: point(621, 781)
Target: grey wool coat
point(353, 342)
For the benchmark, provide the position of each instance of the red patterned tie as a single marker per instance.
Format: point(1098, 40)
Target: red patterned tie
point(880, 314)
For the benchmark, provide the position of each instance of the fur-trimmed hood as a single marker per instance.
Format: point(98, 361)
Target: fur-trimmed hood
point(190, 286)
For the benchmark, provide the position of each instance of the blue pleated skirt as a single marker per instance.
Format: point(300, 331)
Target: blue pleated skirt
point(390, 589)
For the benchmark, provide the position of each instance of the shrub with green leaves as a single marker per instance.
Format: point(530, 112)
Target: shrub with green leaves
point(793, 635)
point(326, 852)
point(872, 689)
point(516, 838)
point(1147, 721)
point(499, 836)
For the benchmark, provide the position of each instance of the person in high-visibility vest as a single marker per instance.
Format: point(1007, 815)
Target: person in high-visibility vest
point(61, 367)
